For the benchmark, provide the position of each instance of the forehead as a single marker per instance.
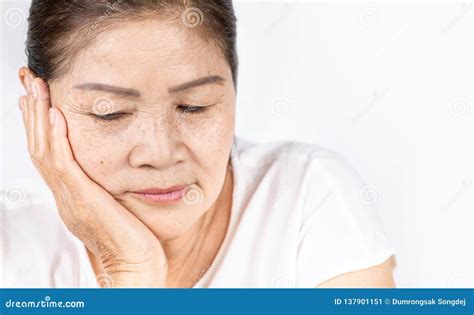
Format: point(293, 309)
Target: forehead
point(153, 54)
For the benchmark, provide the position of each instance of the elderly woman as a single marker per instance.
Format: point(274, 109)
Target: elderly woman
point(129, 116)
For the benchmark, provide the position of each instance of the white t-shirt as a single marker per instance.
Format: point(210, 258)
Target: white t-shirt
point(299, 217)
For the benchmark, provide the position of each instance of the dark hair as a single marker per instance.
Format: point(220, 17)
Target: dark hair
point(59, 29)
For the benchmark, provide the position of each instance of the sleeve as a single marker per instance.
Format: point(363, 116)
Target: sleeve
point(340, 229)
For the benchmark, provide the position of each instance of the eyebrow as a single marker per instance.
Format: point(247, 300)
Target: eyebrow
point(109, 88)
point(197, 82)
point(136, 94)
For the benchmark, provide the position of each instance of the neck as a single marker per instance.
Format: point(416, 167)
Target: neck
point(190, 255)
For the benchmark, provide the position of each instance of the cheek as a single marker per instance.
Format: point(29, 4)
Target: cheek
point(211, 147)
point(212, 130)
point(218, 138)
point(98, 156)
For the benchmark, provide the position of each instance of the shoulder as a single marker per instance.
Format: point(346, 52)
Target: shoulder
point(310, 171)
point(378, 276)
point(295, 180)
point(285, 156)
point(323, 201)
point(249, 151)
point(298, 154)
point(38, 250)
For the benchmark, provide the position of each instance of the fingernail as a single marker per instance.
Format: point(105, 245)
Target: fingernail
point(52, 116)
point(22, 104)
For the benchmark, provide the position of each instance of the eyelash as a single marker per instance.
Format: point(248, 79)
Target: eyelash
point(108, 117)
point(191, 109)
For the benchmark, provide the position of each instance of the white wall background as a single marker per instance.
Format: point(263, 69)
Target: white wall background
point(389, 86)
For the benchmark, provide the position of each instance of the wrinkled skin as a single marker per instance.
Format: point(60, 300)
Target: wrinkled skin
point(94, 165)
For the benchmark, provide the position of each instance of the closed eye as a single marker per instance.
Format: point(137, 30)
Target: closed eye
point(191, 108)
point(112, 116)
point(194, 109)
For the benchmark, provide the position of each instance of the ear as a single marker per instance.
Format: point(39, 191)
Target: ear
point(22, 74)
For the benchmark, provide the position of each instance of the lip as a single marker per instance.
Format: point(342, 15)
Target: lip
point(163, 195)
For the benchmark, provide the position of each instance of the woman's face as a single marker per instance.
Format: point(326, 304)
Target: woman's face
point(148, 72)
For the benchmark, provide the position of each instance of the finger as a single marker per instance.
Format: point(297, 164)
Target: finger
point(30, 120)
point(61, 153)
point(22, 102)
point(28, 78)
point(41, 125)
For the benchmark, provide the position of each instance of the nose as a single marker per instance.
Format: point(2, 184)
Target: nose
point(159, 146)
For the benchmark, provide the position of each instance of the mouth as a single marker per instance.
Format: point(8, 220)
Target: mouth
point(163, 195)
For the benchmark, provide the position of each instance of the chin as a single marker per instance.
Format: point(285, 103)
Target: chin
point(166, 221)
